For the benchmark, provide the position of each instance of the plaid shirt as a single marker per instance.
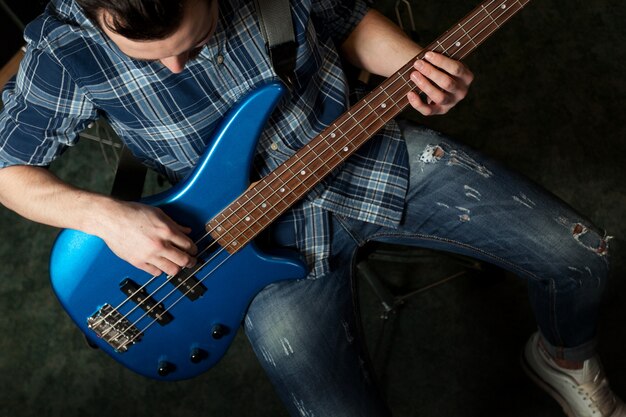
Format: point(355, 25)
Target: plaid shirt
point(73, 74)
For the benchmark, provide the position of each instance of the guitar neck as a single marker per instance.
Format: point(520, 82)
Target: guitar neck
point(267, 199)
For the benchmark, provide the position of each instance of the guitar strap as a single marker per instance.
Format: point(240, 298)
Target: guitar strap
point(281, 47)
point(277, 28)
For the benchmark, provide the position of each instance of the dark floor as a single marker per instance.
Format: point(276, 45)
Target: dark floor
point(548, 101)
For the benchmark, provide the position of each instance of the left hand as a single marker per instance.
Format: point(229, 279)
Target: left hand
point(444, 82)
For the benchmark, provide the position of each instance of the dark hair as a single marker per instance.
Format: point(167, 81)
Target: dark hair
point(137, 19)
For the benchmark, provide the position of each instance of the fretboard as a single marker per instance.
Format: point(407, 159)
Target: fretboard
point(270, 197)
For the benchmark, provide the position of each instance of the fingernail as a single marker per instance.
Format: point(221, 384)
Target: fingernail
point(428, 55)
point(419, 64)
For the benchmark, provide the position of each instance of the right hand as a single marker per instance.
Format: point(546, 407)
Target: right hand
point(147, 238)
point(142, 235)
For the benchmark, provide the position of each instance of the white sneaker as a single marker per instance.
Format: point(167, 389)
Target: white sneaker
point(582, 393)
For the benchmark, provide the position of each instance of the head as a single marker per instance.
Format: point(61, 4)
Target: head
point(169, 31)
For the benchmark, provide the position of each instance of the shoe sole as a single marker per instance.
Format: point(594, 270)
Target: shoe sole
point(546, 387)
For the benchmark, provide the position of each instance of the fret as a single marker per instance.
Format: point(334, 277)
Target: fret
point(290, 184)
point(468, 37)
point(295, 171)
point(439, 47)
point(311, 156)
point(369, 119)
point(330, 140)
point(501, 12)
point(240, 228)
point(259, 206)
point(454, 47)
point(311, 151)
point(340, 128)
point(267, 195)
point(490, 21)
point(223, 231)
point(400, 102)
point(310, 179)
point(399, 87)
point(314, 174)
point(373, 116)
point(330, 154)
point(270, 197)
point(488, 13)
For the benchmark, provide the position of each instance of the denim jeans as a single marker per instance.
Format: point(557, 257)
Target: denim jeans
point(304, 332)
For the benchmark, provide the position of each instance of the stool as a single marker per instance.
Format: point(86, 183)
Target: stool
point(392, 296)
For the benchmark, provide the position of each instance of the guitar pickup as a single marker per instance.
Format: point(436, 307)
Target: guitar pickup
point(186, 282)
point(140, 297)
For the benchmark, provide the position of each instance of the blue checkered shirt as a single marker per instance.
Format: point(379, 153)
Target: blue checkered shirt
point(73, 74)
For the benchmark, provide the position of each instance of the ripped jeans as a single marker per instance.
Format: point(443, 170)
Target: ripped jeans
point(304, 333)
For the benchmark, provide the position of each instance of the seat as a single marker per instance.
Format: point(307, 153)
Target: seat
point(388, 276)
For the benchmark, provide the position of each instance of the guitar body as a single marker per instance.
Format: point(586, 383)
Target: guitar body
point(186, 333)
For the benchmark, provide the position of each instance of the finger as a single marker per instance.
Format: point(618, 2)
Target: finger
point(185, 229)
point(167, 266)
point(436, 77)
point(418, 104)
point(150, 269)
point(180, 240)
point(179, 257)
point(170, 262)
point(451, 66)
point(184, 243)
point(434, 93)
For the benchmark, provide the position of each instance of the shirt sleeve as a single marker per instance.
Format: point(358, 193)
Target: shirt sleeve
point(338, 18)
point(43, 113)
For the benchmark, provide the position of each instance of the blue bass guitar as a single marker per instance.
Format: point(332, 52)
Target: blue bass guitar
point(176, 327)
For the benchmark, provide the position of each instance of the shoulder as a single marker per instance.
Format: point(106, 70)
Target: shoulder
point(64, 33)
point(68, 38)
point(60, 25)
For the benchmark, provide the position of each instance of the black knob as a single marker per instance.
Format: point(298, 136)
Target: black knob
point(219, 331)
point(197, 355)
point(165, 368)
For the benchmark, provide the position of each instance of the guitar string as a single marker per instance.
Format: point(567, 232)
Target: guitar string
point(241, 219)
point(202, 266)
point(229, 257)
point(337, 127)
point(169, 277)
point(167, 296)
point(205, 277)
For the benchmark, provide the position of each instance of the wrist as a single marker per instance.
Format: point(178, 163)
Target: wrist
point(96, 213)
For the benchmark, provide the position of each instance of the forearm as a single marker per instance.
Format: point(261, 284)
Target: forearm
point(378, 45)
point(38, 195)
point(140, 234)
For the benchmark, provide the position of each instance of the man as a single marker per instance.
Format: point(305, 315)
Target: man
point(163, 73)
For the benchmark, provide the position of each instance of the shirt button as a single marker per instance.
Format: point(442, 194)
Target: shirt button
point(220, 59)
point(274, 146)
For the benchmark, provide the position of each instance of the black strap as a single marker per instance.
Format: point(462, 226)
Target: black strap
point(277, 28)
